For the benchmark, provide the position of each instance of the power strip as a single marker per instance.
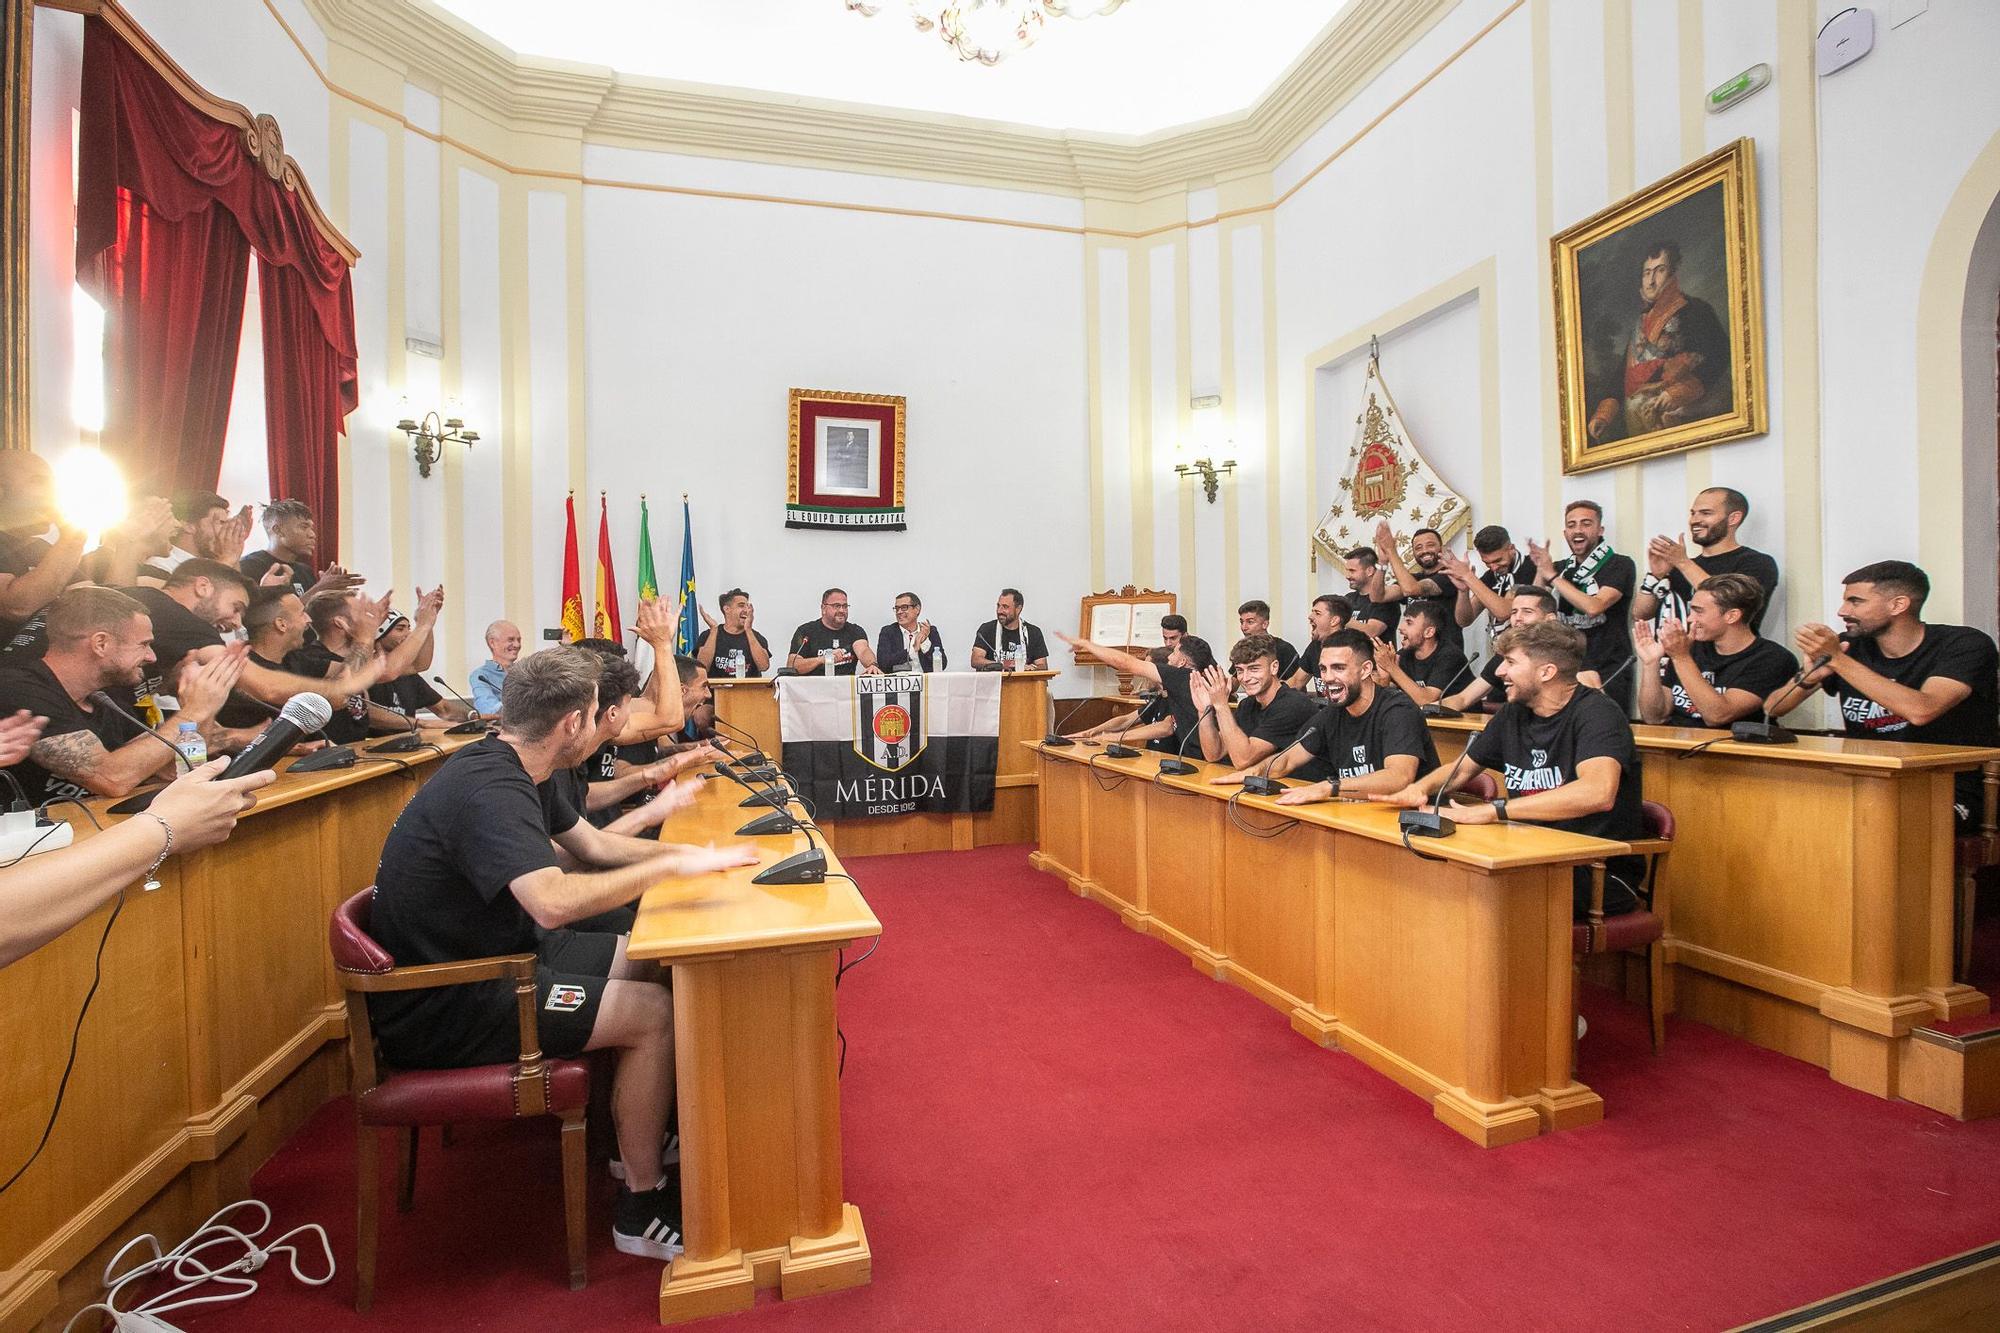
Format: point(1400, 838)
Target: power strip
point(23, 833)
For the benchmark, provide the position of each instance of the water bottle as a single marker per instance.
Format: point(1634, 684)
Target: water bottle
point(736, 662)
point(826, 657)
point(192, 747)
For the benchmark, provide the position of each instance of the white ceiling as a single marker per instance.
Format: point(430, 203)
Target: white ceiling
point(1151, 65)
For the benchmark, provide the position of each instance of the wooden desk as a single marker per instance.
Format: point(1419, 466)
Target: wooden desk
point(1812, 891)
point(1451, 975)
point(217, 1030)
point(752, 706)
point(758, 1070)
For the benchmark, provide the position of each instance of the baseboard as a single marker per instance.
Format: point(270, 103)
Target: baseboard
point(1961, 1292)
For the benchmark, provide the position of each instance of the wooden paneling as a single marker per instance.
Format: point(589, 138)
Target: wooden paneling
point(1268, 909)
point(1184, 871)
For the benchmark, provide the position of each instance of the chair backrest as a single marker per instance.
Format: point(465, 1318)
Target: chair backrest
point(1656, 819)
point(1481, 785)
point(354, 949)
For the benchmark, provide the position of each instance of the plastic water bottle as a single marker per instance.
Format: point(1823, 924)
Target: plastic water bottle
point(192, 747)
point(736, 662)
point(826, 656)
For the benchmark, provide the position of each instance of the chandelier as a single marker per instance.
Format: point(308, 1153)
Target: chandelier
point(987, 31)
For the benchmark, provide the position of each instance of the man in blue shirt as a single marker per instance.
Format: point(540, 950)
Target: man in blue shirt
point(503, 640)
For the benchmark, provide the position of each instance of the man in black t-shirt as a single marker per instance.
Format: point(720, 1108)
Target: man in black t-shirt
point(1174, 677)
point(101, 639)
point(409, 693)
point(1594, 584)
point(1363, 739)
point(1267, 719)
point(1672, 575)
point(734, 648)
point(346, 625)
point(294, 539)
point(1007, 642)
point(1502, 569)
point(1564, 753)
point(1715, 670)
point(469, 871)
point(1254, 618)
point(831, 645)
point(1428, 582)
point(33, 569)
point(1529, 604)
point(1375, 612)
point(1325, 616)
point(275, 623)
point(1427, 668)
point(1897, 678)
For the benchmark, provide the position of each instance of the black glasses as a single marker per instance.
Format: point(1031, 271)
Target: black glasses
point(905, 606)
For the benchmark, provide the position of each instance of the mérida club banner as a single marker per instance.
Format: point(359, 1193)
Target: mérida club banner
point(891, 745)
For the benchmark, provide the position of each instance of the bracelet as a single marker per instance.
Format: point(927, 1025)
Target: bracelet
point(150, 882)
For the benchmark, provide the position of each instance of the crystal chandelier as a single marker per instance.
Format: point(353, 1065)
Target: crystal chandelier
point(987, 31)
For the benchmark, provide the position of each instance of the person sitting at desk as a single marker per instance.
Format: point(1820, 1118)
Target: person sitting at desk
point(1564, 752)
point(1530, 603)
point(1363, 740)
point(1897, 678)
point(1427, 666)
point(911, 640)
point(1152, 709)
point(1175, 679)
point(734, 648)
point(831, 645)
point(469, 871)
point(503, 647)
point(1327, 615)
point(1269, 717)
point(1714, 670)
point(1253, 618)
point(1007, 642)
point(409, 693)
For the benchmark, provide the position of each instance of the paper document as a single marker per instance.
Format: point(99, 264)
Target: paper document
point(1111, 624)
point(1146, 625)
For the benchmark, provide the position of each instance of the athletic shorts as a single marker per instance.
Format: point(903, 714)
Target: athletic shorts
point(571, 971)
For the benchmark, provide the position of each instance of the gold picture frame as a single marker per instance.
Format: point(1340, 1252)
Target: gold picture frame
point(1659, 315)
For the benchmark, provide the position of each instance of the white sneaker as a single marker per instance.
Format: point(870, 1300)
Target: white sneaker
point(648, 1224)
point(670, 1155)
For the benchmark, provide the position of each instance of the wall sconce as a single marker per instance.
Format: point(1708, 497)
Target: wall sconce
point(1218, 454)
point(431, 435)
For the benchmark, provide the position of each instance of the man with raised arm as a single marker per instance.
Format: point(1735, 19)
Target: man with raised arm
point(1269, 717)
point(1429, 582)
point(1594, 584)
point(469, 871)
point(1564, 753)
point(733, 647)
point(1427, 666)
point(1897, 677)
point(1174, 677)
point(1715, 669)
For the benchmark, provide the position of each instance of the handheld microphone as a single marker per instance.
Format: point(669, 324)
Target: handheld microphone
point(473, 725)
point(319, 761)
point(1261, 783)
point(302, 715)
point(1177, 765)
point(1441, 708)
point(1433, 823)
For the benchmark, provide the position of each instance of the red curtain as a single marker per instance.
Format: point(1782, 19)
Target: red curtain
point(140, 137)
point(173, 291)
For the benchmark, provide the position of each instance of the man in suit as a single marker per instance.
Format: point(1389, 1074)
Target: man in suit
point(912, 643)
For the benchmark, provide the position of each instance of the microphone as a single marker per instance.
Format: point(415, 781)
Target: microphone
point(1619, 672)
point(1177, 765)
point(1055, 736)
point(473, 725)
point(1770, 731)
point(319, 761)
point(1441, 708)
point(412, 740)
point(302, 715)
point(756, 755)
point(1261, 783)
point(139, 800)
point(806, 867)
point(1432, 823)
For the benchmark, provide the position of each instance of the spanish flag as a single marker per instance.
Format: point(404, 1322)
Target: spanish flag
point(572, 592)
point(608, 625)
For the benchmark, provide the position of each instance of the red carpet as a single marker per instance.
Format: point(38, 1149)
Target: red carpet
point(1053, 1122)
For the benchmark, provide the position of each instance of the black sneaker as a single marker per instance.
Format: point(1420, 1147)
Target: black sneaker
point(647, 1223)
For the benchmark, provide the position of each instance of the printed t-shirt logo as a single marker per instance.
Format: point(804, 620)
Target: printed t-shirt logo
point(1865, 712)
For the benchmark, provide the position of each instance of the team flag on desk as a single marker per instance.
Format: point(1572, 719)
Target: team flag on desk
point(572, 590)
point(689, 633)
point(890, 745)
point(608, 625)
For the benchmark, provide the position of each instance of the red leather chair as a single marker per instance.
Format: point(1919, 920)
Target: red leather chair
point(406, 1100)
point(1972, 854)
point(1642, 931)
point(1481, 786)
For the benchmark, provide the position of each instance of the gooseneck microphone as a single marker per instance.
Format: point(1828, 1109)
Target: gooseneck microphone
point(1440, 708)
point(1433, 823)
point(1770, 731)
point(1606, 683)
point(139, 800)
point(408, 741)
point(473, 725)
point(1176, 764)
point(1261, 783)
point(756, 755)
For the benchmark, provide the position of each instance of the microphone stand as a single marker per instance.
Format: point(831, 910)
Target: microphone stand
point(756, 755)
point(414, 740)
point(1433, 823)
point(806, 867)
point(1261, 783)
point(1178, 765)
point(473, 725)
point(1770, 731)
point(1441, 708)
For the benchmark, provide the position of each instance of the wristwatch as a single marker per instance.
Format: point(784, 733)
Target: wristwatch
point(1500, 809)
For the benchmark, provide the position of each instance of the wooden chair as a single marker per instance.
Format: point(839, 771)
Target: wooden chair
point(1971, 854)
point(406, 1100)
point(1641, 931)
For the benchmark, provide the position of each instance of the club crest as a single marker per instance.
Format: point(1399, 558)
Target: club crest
point(1538, 758)
point(890, 728)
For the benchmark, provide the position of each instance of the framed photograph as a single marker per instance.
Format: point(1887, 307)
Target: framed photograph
point(1660, 318)
point(846, 468)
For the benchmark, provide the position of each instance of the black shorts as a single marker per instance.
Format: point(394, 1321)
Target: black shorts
point(481, 1028)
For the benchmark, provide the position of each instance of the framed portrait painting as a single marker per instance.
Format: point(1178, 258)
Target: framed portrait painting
point(1659, 317)
point(846, 466)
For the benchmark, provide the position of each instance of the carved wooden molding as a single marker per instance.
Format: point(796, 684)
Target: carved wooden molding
point(262, 138)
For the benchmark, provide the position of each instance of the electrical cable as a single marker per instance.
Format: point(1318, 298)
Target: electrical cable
point(187, 1265)
point(1263, 834)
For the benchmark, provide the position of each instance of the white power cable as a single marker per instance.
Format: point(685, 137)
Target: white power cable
point(192, 1265)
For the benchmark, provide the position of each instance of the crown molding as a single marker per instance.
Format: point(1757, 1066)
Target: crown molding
point(593, 104)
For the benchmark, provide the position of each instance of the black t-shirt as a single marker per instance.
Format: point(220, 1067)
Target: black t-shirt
point(813, 638)
point(1438, 591)
point(1533, 754)
point(1279, 721)
point(1309, 661)
point(258, 563)
point(177, 632)
point(727, 644)
point(441, 891)
point(235, 712)
point(349, 723)
point(990, 634)
point(1346, 746)
point(1504, 583)
point(408, 695)
point(1386, 612)
point(566, 795)
point(1956, 652)
point(1742, 560)
point(1180, 704)
point(1607, 637)
point(1288, 657)
point(31, 685)
point(1444, 669)
point(1760, 669)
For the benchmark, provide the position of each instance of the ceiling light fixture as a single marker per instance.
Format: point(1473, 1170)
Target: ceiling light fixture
point(987, 31)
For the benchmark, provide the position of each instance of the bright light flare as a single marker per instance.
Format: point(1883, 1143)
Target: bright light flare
point(90, 491)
